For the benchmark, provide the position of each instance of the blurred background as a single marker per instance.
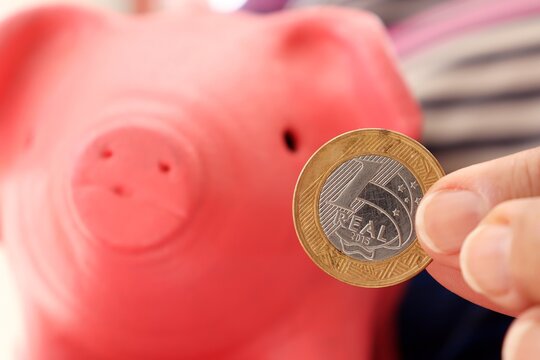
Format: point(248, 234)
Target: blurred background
point(10, 6)
point(472, 65)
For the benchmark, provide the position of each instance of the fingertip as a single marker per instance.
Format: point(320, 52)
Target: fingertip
point(485, 259)
point(445, 217)
point(465, 260)
point(485, 264)
point(522, 341)
point(500, 259)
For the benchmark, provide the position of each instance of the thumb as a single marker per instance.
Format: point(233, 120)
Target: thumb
point(457, 204)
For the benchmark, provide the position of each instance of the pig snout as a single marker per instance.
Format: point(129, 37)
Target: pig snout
point(134, 186)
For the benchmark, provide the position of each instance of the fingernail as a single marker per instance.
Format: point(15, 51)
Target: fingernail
point(485, 259)
point(446, 217)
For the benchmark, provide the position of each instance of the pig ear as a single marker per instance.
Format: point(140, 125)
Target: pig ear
point(28, 46)
point(349, 51)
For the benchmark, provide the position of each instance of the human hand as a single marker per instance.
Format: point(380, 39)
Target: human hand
point(481, 226)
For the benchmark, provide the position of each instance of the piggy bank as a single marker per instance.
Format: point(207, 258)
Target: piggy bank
point(147, 170)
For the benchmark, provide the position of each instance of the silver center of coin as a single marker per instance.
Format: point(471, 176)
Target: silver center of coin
point(367, 207)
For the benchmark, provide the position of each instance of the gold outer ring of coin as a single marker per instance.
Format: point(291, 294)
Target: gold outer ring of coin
point(371, 274)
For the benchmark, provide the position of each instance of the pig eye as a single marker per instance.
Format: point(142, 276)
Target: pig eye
point(164, 167)
point(290, 139)
point(106, 153)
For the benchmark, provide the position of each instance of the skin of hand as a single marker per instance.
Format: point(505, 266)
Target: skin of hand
point(481, 226)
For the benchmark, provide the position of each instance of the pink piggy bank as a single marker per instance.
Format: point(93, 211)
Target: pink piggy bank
point(147, 171)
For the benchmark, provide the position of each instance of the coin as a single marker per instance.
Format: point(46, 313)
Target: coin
point(355, 202)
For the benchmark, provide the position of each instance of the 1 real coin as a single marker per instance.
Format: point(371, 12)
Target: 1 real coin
point(355, 202)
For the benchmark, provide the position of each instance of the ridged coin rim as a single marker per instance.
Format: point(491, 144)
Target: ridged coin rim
point(371, 274)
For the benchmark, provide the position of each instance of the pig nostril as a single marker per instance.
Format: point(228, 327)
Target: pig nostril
point(120, 191)
point(164, 167)
point(106, 154)
point(290, 139)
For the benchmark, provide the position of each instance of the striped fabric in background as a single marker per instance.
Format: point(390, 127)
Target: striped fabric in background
point(390, 11)
point(475, 68)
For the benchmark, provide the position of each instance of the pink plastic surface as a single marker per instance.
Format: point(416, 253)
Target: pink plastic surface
point(147, 171)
